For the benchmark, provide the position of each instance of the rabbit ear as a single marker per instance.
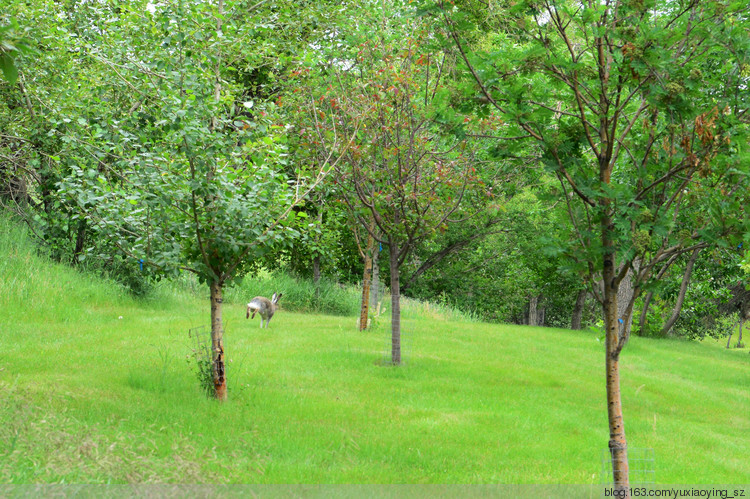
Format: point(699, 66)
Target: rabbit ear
point(274, 298)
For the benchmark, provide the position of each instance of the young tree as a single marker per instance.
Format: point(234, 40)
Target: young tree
point(401, 178)
point(196, 179)
point(636, 107)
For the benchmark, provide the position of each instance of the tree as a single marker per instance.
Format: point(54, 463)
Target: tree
point(198, 177)
point(637, 110)
point(402, 179)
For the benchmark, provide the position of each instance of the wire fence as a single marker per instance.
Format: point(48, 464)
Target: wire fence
point(641, 466)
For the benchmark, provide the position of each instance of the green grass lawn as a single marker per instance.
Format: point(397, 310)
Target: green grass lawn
point(96, 388)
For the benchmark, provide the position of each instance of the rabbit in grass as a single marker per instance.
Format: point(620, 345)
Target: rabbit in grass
point(264, 307)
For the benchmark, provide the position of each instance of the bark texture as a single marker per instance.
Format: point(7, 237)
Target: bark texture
point(395, 304)
point(533, 310)
point(364, 312)
point(626, 295)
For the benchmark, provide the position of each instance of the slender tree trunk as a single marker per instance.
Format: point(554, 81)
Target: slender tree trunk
point(576, 320)
point(364, 311)
point(644, 312)
point(533, 301)
point(80, 240)
point(626, 295)
point(217, 342)
point(618, 447)
point(681, 296)
point(395, 304)
point(540, 317)
point(316, 259)
point(739, 338)
point(316, 275)
point(375, 288)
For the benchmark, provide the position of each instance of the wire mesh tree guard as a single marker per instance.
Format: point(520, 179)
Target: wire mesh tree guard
point(404, 340)
point(200, 339)
point(201, 358)
point(641, 466)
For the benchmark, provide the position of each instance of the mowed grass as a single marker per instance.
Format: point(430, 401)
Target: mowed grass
point(96, 388)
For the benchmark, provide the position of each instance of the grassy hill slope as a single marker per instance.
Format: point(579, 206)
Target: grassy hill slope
point(96, 388)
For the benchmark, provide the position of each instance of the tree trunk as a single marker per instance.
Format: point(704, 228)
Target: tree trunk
point(626, 295)
point(533, 301)
point(316, 258)
point(540, 316)
point(575, 321)
point(681, 295)
point(217, 299)
point(364, 311)
point(739, 338)
point(644, 312)
point(80, 240)
point(618, 447)
point(375, 287)
point(316, 275)
point(395, 304)
point(217, 342)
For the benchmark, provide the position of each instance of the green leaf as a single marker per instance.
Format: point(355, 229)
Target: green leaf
point(9, 68)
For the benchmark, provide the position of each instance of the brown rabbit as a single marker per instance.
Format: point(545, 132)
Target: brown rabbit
point(264, 307)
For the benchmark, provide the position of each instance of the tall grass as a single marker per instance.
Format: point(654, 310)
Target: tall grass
point(299, 295)
point(435, 311)
point(30, 282)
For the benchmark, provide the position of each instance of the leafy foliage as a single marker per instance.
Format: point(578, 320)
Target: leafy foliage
point(13, 42)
